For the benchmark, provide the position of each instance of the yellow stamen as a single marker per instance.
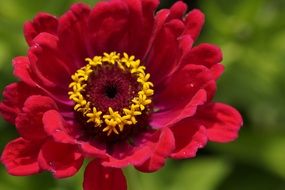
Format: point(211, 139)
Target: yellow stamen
point(113, 121)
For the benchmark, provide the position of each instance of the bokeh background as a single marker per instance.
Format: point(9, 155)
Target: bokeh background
point(252, 37)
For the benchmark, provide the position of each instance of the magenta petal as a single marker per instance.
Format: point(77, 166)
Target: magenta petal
point(20, 157)
point(97, 177)
point(62, 160)
point(189, 137)
point(161, 145)
point(222, 122)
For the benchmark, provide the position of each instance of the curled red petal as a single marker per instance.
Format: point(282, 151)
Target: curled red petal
point(9, 108)
point(217, 70)
point(55, 127)
point(98, 177)
point(162, 144)
point(62, 160)
point(93, 149)
point(63, 132)
point(203, 54)
point(20, 157)
point(43, 22)
point(14, 97)
point(29, 121)
point(194, 22)
point(183, 85)
point(125, 154)
point(177, 10)
point(21, 66)
point(45, 51)
point(169, 117)
point(189, 137)
point(222, 121)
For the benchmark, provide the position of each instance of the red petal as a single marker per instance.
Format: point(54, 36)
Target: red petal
point(203, 54)
point(21, 70)
point(189, 137)
point(20, 157)
point(165, 43)
point(177, 10)
point(222, 121)
point(97, 177)
point(43, 22)
point(74, 40)
point(93, 149)
point(122, 22)
point(161, 144)
point(125, 154)
point(183, 85)
point(63, 160)
point(63, 132)
point(55, 126)
point(194, 22)
point(9, 108)
point(42, 55)
point(217, 70)
point(14, 97)
point(109, 24)
point(29, 73)
point(29, 121)
point(176, 114)
point(160, 19)
point(50, 71)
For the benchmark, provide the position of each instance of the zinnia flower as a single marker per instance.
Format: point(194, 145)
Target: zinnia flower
point(118, 84)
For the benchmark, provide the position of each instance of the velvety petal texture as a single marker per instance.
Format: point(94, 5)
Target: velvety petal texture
point(222, 122)
point(62, 160)
point(20, 157)
point(29, 121)
point(98, 177)
point(56, 133)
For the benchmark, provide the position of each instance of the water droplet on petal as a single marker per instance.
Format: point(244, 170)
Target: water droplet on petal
point(107, 176)
point(36, 45)
point(58, 130)
point(51, 164)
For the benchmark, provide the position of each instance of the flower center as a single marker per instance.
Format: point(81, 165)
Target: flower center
point(112, 92)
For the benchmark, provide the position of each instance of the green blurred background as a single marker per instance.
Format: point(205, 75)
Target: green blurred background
point(252, 37)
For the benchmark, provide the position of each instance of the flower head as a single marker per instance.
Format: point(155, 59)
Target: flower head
point(118, 83)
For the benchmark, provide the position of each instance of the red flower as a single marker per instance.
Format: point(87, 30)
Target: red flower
point(117, 84)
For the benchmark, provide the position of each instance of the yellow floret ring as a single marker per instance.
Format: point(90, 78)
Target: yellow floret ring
point(113, 121)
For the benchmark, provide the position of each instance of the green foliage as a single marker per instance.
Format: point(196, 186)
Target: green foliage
point(252, 37)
